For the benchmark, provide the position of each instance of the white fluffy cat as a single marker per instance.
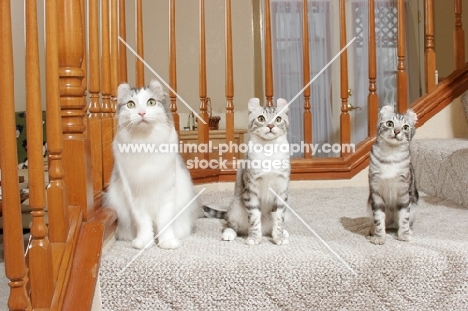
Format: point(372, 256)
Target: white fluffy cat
point(148, 189)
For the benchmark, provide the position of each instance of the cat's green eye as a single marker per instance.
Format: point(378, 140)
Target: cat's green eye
point(278, 119)
point(131, 105)
point(261, 119)
point(389, 124)
point(405, 127)
point(151, 102)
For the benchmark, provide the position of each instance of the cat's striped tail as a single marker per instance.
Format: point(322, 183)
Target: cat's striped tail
point(214, 211)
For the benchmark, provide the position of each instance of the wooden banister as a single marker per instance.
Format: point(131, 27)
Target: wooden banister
point(402, 76)
point(268, 56)
point(229, 81)
point(173, 64)
point(429, 52)
point(15, 268)
point(203, 135)
point(139, 67)
point(345, 123)
point(306, 77)
point(107, 116)
point(94, 88)
point(76, 150)
point(372, 98)
point(57, 200)
point(40, 252)
point(122, 47)
point(458, 36)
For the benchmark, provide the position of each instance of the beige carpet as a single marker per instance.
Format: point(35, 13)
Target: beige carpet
point(441, 167)
point(428, 273)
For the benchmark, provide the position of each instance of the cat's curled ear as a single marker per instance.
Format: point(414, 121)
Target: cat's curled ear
point(156, 88)
point(412, 117)
point(253, 104)
point(281, 103)
point(124, 90)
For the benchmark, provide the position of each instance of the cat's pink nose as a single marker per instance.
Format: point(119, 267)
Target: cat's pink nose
point(396, 132)
point(270, 126)
point(142, 114)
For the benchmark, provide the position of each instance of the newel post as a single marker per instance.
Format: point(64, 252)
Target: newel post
point(76, 149)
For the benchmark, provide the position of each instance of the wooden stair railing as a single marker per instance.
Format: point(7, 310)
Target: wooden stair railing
point(59, 270)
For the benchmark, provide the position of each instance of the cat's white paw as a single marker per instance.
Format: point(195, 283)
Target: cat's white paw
point(285, 234)
point(377, 240)
point(253, 240)
point(282, 241)
point(229, 234)
point(142, 243)
point(169, 244)
point(403, 237)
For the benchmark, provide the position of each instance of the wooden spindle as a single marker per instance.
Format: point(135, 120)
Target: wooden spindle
point(402, 77)
point(173, 65)
point(429, 52)
point(122, 47)
point(76, 149)
point(459, 36)
point(203, 134)
point(15, 268)
point(268, 56)
point(40, 255)
point(95, 115)
point(114, 40)
point(229, 83)
point(306, 77)
point(139, 67)
point(57, 201)
point(345, 124)
point(107, 122)
point(372, 98)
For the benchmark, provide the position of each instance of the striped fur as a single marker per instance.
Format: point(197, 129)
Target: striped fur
point(256, 211)
point(392, 186)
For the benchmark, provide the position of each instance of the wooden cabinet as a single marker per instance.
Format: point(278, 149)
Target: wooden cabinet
point(189, 144)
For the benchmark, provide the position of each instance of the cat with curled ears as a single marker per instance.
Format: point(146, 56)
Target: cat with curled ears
point(149, 189)
point(393, 195)
point(256, 210)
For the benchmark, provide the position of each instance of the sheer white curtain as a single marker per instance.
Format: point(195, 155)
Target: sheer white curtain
point(325, 95)
point(288, 70)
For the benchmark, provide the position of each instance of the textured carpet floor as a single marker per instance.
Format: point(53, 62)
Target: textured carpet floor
point(441, 167)
point(428, 273)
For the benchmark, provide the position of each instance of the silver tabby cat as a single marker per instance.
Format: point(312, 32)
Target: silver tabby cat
point(256, 210)
point(393, 195)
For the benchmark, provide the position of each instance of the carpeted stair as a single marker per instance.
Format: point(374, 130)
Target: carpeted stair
point(441, 168)
point(428, 273)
